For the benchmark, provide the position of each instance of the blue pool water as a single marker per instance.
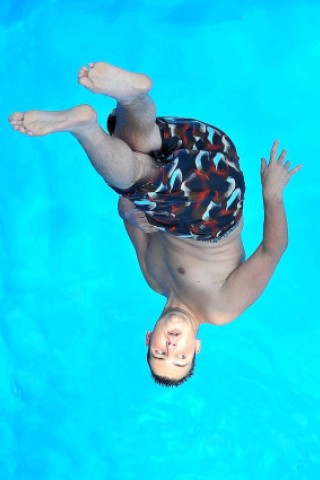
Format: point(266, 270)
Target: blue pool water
point(76, 400)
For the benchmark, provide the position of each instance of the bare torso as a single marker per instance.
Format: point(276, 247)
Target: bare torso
point(195, 271)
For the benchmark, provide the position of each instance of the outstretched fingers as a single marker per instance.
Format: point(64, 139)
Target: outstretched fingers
point(276, 175)
point(282, 157)
point(294, 170)
point(273, 153)
point(286, 165)
point(281, 160)
point(263, 166)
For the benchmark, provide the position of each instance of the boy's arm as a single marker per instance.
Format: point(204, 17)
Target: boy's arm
point(245, 285)
point(137, 227)
point(139, 231)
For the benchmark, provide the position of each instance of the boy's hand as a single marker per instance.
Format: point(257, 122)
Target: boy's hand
point(276, 174)
point(139, 220)
point(136, 217)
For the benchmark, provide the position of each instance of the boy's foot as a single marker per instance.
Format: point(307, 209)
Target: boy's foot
point(39, 122)
point(115, 82)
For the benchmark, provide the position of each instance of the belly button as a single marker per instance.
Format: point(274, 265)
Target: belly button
point(181, 270)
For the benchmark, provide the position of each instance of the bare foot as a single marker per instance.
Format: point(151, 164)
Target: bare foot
point(39, 122)
point(109, 80)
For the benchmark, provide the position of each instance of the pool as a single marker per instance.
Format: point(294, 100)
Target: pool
point(76, 398)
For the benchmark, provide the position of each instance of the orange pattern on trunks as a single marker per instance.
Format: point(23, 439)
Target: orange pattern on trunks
point(199, 190)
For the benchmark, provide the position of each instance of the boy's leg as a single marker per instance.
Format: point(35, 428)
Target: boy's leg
point(111, 157)
point(135, 112)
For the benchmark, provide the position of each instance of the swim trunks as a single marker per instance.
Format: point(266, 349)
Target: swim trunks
point(199, 190)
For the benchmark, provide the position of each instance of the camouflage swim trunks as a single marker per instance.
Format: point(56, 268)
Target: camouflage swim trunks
point(199, 190)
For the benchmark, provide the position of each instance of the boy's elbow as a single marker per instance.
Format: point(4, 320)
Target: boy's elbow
point(275, 249)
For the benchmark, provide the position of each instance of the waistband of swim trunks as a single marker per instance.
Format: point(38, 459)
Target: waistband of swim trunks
point(217, 239)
